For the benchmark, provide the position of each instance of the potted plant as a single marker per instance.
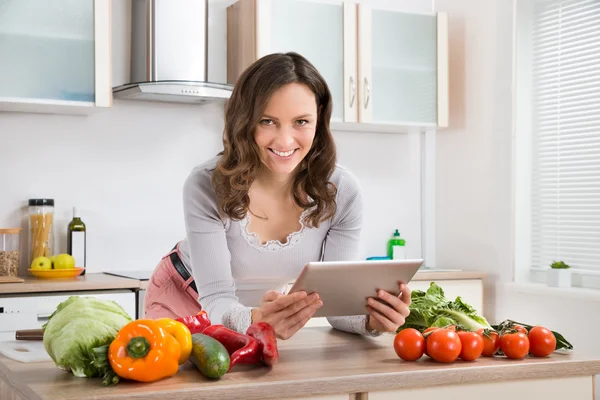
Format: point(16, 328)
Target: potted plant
point(559, 274)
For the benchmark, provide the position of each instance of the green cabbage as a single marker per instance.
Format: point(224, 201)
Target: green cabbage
point(432, 308)
point(78, 333)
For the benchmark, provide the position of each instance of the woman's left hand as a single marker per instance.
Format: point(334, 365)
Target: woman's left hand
point(387, 318)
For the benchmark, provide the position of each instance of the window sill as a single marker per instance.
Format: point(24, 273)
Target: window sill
point(541, 289)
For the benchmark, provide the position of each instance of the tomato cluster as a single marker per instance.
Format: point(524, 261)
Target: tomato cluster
point(449, 344)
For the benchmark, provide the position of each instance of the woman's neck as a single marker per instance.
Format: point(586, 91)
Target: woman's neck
point(275, 184)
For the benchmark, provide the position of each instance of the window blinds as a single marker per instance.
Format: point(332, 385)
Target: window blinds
point(566, 134)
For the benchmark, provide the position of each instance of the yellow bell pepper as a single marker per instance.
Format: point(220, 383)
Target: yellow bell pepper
point(181, 333)
point(144, 352)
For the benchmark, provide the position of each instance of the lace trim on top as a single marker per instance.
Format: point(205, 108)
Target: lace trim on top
point(275, 244)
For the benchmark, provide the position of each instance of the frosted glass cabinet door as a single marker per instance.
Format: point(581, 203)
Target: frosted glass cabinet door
point(316, 30)
point(399, 58)
point(49, 53)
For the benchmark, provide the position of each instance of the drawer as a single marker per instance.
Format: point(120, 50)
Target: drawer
point(32, 311)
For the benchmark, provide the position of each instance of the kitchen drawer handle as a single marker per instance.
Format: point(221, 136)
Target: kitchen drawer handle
point(43, 316)
point(367, 93)
point(352, 91)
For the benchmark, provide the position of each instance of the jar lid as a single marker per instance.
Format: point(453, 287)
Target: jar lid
point(10, 231)
point(41, 202)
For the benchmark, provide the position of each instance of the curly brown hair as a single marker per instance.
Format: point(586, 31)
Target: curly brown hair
point(239, 162)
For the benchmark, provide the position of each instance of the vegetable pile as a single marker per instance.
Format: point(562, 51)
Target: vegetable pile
point(97, 338)
point(447, 330)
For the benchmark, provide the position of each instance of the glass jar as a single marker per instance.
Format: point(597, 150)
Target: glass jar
point(41, 223)
point(9, 251)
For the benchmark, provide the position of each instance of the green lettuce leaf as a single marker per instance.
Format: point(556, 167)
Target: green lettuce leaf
point(79, 326)
point(432, 308)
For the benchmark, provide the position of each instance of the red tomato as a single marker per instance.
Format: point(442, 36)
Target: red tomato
point(472, 345)
point(520, 328)
point(491, 344)
point(514, 345)
point(443, 345)
point(409, 344)
point(542, 341)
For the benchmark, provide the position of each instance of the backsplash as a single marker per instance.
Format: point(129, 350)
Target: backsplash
point(124, 169)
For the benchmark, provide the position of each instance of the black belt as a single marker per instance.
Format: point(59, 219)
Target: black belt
point(181, 269)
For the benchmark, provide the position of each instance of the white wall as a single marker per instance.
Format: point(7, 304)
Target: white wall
point(124, 167)
point(474, 175)
point(473, 171)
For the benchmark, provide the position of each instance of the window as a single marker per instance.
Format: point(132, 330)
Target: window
point(557, 138)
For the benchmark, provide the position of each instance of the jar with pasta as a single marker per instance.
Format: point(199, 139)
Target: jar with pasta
point(41, 223)
point(9, 251)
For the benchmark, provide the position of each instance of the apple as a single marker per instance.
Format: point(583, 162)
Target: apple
point(64, 261)
point(41, 263)
point(52, 259)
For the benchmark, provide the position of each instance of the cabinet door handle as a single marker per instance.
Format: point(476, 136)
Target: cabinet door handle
point(367, 93)
point(352, 91)
point(43, 316)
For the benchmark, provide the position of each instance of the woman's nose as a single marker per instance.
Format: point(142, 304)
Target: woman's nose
point(286, 138)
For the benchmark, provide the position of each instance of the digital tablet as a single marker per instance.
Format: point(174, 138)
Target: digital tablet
point(344, 286)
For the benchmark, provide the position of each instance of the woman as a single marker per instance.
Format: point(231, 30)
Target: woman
point(270, 202)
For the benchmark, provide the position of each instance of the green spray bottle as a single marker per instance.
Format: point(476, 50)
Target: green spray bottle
point(395, 247)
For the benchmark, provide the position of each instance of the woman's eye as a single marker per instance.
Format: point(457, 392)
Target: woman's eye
point(302, 122)
point(266, 121)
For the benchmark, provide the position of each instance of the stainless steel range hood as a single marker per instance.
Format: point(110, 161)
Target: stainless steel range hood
point(169, 54)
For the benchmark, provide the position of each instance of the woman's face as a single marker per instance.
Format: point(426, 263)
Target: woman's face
point(286, 130)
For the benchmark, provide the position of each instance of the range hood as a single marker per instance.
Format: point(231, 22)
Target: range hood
point(169, 54)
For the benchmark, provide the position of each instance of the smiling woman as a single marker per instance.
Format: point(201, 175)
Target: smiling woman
point(273, 200)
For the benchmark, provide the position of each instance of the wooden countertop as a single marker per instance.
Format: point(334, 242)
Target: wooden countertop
point(87, 282)
point(316, 361)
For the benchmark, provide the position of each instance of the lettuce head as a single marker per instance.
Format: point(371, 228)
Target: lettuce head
point(432, 308)
point(75, 331)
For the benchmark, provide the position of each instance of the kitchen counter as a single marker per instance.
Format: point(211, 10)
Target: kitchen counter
point(86, 282)
point(441, 275)
point(332, 365)
point(100, 281)
point(425, 275)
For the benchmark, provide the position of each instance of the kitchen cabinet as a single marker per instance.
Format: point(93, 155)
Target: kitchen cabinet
point(55, 56)
point(579, 387)
point(31, 311)
point(387, 70)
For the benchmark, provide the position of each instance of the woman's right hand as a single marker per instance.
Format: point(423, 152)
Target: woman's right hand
point(286, 313)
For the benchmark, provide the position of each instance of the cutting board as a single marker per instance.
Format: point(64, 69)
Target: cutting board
point(11, 279)
point(27, 351)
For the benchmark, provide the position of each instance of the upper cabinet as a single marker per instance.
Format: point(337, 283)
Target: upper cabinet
point(55, 55)
point(386, 69)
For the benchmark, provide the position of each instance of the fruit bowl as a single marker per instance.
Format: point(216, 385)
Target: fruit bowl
point(56, 273)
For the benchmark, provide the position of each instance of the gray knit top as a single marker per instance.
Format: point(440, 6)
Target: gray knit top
point(232, 269)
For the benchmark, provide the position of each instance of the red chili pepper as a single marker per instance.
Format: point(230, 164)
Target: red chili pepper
point(267, 341)
point(196, 323)
point(242, 348)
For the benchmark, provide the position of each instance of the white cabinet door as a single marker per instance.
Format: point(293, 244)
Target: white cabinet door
point(55, 55)
point(19, 312)
point(317, 31)
point(402, 67)
point(323, 31)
